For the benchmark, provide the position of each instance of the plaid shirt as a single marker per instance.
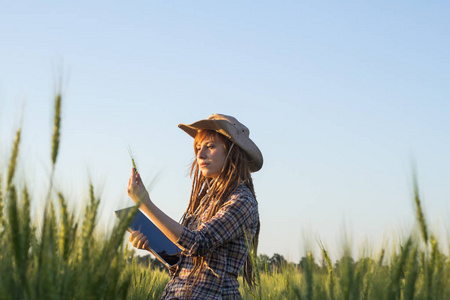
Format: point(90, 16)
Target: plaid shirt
point(222, 242)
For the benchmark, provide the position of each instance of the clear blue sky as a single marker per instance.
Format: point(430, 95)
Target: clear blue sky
point(340, 97)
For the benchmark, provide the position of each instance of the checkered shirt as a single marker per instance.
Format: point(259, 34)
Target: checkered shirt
point(222, 242)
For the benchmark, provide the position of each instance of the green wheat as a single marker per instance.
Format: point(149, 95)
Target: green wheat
point(56, 128)
point(59, 255)
point(132, 160)
point(13, 159)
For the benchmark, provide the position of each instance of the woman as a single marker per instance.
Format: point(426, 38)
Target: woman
point(221, 223)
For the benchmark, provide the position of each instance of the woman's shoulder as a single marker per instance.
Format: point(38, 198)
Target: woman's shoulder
point(243, 193)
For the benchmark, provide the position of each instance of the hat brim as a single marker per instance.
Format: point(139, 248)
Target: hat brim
point(224, 127)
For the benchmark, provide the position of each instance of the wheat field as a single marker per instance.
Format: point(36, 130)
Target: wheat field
point(58, 255)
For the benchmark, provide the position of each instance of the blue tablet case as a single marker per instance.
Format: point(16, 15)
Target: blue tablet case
point(159, 245)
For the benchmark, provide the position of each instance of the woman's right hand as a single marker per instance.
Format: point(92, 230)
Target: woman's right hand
point(138, 240)
point(136, 189)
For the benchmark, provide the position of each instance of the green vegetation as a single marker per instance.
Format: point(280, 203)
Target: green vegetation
point(60, 256)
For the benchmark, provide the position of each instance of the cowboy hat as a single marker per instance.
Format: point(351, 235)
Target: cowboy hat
point(231, 128)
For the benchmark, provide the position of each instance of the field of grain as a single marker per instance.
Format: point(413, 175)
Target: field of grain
point(60, 256)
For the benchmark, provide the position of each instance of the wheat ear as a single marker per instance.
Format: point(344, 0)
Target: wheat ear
point(13, 159)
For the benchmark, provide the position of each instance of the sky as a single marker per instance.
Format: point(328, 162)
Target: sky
point(343, 99)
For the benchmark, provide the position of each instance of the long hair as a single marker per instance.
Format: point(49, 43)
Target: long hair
point(235, 171)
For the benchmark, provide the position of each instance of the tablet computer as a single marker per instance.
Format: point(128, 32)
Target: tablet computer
point(158, 244)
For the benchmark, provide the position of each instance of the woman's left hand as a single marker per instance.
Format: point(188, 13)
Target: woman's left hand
point(138, 240)
point(136, 189)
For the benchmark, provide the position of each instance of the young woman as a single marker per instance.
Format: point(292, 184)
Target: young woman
point(221, 223)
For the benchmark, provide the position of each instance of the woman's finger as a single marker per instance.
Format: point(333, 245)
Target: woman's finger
point(135, 241)
point(130, 239)
point(142, 242)
point(133, 236)
point(138, 178)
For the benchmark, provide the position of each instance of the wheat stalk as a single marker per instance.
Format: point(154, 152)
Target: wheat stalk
point(330, 279)
point(65, 230)
point(55, 138)
point(411, 276)
point(13, 159)
point(56, 128)
point(132, 160)
point(309, 276)
point(25, 220)
point(419, 212)
point(89, 222)
point(397, 271)
point(1, 205)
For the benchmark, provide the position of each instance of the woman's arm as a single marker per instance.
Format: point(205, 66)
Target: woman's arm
point(137, 191)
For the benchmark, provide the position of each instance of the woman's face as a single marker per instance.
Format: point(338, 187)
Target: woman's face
point(211, 154)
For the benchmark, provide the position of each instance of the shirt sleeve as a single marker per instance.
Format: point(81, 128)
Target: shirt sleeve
point(231, 221)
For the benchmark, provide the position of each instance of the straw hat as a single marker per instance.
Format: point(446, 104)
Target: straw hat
point(232, 129)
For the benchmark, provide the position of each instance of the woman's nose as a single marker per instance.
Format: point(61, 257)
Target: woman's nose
point(201, 153)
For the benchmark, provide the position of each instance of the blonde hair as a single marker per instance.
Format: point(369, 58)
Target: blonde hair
point(235, 171)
